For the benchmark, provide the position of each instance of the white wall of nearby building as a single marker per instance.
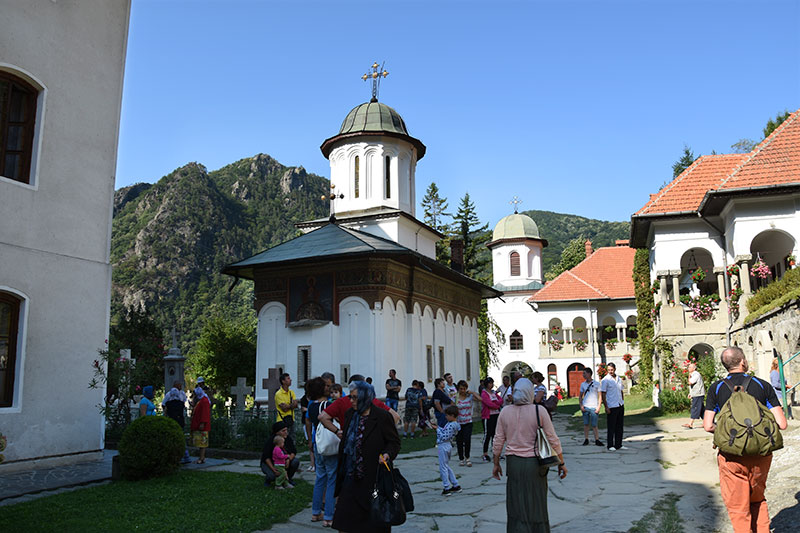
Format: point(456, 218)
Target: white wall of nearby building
point(399, 229)
point(370, 340)
point(55, 239)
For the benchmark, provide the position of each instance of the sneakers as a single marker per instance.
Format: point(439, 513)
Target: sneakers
point(612, 449)
point(445, 492)
point(623, 448)
point(455, 489)
point(598, 443)
point(486, 459)
point(585, 442)
point(289, 486)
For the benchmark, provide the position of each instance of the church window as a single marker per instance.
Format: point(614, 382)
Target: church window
point(356, 181)
point(441, 361)
point(303, 364)
point(515, 340)
point(9, 328)
point(344, 373)
point(514, 263)
point(429, 361)
point(469, 366)
point(387, 177)
point(17, 115)
point(552, 376)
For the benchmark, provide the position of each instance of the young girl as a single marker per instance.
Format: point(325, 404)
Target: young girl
point(336, 391)
point(464, 399)
point(490, 410)
point(279, 461)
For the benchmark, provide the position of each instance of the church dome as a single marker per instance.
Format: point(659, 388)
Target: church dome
point(516, 226)
point(373, 118)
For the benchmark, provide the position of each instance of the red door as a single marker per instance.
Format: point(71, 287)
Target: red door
point(575, 378)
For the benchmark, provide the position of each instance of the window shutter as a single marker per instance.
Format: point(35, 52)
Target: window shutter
point(514, 264)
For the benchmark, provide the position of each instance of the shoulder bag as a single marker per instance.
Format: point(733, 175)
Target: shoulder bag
point(327, 441)
point(546, 455)
point(387, 507)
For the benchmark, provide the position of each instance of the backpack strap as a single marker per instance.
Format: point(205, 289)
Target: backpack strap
point(746, 383)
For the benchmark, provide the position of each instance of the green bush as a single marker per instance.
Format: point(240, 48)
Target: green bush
point(775, 290)
point(220, 435)
point(255, 432)
point(150, 447)
point(675, 401)
point(709, 369)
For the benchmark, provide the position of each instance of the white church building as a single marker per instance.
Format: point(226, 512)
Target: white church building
point(584, 317)
point(362, 292)
point(61, 69)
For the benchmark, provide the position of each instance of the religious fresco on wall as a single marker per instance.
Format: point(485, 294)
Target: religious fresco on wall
point(311, 299)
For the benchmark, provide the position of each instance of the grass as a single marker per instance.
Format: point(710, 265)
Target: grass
point(793, 294)
point(418, 443)
point(663, 518)
point(665, 464)
point(639, 411)
point(186, 501)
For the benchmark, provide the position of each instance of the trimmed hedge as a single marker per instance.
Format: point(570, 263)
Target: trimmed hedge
point(151, 446)
point(774, 294)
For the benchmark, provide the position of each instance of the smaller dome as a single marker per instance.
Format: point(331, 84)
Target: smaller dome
point(516, 226)
point(373, 116)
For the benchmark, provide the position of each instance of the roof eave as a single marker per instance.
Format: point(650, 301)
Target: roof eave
point(509, 240)
point(714, 201)
point(640, 225)
point(328, 144)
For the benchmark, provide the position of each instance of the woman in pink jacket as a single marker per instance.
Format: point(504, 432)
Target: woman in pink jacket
point(491, 402)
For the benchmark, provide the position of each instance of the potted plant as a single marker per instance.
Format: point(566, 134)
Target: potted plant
point(611, 344)
point(791, 260)
point(555, 344)
point(580, 345)
point(656, 286)
point(555, 330)
point(629, 374)
point(602, 370)
point(760, 269)
point(733, 270)
point(580, 329)
point(627, 358)
point(698, 275)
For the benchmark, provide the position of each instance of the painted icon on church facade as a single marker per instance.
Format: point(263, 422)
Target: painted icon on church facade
point(311, 299)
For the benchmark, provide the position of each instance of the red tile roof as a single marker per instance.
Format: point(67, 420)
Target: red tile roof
point(775, 161)
point(607, 273)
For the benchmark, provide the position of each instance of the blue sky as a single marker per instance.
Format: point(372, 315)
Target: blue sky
point(575, 106)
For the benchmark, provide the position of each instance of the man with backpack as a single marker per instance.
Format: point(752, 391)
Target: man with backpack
point(744, 414)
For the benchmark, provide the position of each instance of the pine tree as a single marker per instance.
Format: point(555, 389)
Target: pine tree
point(469, 229)
point(684, 162)
point(434, 214)
point(772, 124)
point(573, 253)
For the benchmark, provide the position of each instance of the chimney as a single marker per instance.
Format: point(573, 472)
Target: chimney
point(457, 255)
point(622, 242)
point(588, 246)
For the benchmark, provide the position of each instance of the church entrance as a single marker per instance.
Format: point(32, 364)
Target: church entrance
point(574, 379)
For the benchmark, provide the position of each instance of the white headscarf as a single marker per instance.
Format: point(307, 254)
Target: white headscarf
point(174, 394)
point(199, 393)
point(523, 392)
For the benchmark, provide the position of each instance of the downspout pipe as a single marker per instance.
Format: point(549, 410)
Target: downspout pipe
point(725, 280)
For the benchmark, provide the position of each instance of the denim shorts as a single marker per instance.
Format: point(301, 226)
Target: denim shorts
point(590, 417)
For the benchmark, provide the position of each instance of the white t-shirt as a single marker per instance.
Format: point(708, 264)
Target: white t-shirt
point(451, 390)
point(613, 389)
point(590, 397)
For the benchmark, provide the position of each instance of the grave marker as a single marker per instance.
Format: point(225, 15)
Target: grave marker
point(240, 391)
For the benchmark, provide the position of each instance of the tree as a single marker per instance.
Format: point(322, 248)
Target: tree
point(644, 313)
point(139, 332)
point(772, 124)
point(225, 351)
point(571, 255)
point(684, 162)
point(434, 209)
point(468, 228)
point(743, 146)
point(490, 338)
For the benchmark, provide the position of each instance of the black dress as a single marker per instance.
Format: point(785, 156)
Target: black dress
point(352, 508)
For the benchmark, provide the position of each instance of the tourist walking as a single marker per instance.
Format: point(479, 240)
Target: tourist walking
point(742, 479)
point(370, 440)
point(614, 403)
point(146, 405)
point(325, 482)
point(589, 402)
point(393, 388)
point(464, 399)
point(201, 421)
point(339, 408)
point(286, 403)
point(411, 413)
point(444, 436)
point(491, 402)
point(526, 485)
point(279, 429)
point(440, 401)
point(775, 379)
point(697, 393)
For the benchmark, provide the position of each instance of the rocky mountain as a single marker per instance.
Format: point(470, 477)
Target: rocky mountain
point(171, 239)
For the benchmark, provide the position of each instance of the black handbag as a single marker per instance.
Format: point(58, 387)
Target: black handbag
point(386, 508)
point(404, 488)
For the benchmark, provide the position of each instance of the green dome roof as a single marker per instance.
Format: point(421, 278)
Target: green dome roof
point(373, 118)
point(516, 226)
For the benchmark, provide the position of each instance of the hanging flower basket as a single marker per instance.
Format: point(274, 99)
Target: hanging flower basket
point(579, 329)
point(760, 270)
point(629, 374)
point(733, 270)
point(791, 260)
point(580, 345)
point(627, 357)
point(555, 330)
point(611, 344)
point(556, 344)
point(702, 307)
point(602, 370)
point(698, 275)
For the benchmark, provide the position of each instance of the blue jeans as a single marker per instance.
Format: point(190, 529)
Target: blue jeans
point(325, 484)
point(392, 404)
point(448, 476)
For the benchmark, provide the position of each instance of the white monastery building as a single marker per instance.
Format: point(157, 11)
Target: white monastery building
point(362, 292)
point(584, 317)
point(734, 221)
point(61, 70)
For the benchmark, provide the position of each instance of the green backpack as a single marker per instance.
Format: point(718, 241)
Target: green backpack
point(745, 426)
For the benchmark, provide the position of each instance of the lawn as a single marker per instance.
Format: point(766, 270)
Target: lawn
point(186, 501)
point(639, 411)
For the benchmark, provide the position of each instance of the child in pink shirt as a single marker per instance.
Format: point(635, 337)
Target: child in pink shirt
point(279, 460)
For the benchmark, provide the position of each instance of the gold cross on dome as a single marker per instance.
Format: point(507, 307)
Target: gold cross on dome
point(515, 202)
point(377, 73)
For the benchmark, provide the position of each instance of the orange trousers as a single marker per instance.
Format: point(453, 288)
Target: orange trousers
point(742, 481)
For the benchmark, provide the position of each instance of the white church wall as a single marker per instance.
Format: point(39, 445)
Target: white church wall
point(356, 336)
point(441, 352)
point(426, 334)
point(271, 344)
point(745, 219)
point(56, 251)
point(530, 260)
point(672, 239)
point(514, 314)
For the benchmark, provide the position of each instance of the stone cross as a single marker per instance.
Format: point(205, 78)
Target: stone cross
point(241, 390)
point(271, 384)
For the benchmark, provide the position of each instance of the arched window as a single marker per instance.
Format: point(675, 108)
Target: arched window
point(552, 376)
point(387, 177)
point(514, 257)
point(356, 178)
point(17, 116)
point(515, 340)
point(9, 328)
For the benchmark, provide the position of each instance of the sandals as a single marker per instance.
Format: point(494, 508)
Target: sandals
point(199, 462)
point(469, 463)
point(316, 517)
point(327, 523)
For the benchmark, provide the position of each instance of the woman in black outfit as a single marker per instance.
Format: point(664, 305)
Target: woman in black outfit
point(369, 439)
